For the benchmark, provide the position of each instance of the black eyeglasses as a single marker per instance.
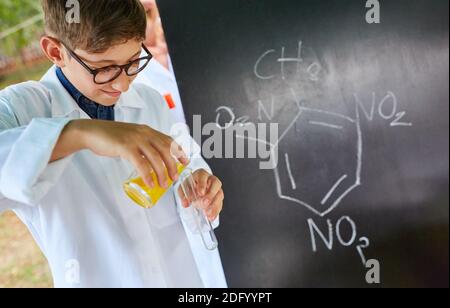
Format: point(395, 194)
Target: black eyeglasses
point(109, 73)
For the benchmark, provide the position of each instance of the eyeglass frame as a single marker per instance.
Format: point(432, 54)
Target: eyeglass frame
point(124, 67)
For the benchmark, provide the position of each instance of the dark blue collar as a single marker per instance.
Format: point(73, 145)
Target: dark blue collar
point(93, 110)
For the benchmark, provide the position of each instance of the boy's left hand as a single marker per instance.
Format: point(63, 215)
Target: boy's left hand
point(209, 188)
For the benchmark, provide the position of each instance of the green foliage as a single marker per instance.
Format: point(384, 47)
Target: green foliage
point(15, 12)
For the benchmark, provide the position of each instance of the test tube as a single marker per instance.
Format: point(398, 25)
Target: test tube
point(202, 225)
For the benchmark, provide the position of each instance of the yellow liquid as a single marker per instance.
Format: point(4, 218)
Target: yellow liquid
point(145, 196)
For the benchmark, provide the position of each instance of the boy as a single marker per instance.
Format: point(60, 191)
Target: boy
point(64, 144)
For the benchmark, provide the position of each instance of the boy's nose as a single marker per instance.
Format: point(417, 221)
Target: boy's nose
point(122, 83)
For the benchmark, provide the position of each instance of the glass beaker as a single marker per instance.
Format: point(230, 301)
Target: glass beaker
point(142, 194)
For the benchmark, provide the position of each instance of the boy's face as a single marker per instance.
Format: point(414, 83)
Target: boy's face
point(105, 94)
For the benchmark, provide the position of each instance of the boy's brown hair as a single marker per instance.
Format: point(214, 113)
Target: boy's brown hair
point(102, 23)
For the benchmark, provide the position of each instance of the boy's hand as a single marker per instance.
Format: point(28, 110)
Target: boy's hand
point(146, 148)
point(209, 188)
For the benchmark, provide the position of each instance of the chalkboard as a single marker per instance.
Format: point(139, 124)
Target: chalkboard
point(361, 100)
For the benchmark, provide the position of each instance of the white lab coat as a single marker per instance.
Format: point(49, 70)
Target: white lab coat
point(162, 80)
point(90, 232)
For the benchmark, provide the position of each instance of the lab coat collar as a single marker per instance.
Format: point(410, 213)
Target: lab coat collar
point(130, 99)
point(63, 105)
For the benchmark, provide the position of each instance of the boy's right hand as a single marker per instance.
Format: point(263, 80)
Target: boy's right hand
point(146, 148)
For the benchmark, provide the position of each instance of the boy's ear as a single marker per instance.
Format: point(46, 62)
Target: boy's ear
point(53, 50)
